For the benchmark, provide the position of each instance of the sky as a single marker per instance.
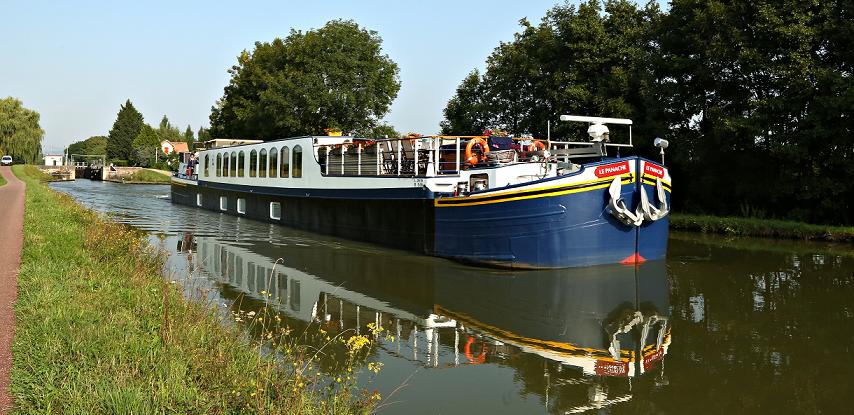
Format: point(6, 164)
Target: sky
point(76, 62)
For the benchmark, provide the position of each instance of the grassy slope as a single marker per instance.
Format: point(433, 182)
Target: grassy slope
point(2, 180)
point(761, 228)
point(147, 176)
point(100, 331)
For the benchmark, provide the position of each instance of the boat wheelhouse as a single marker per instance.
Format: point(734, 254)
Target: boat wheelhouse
point(485, 200)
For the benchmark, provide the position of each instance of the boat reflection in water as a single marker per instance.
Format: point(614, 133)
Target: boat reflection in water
point(575, 337)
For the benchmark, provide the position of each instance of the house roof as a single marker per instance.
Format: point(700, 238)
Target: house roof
point(177, 146)
point(181, 147)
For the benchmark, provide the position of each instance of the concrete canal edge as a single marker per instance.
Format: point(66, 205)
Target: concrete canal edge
point(11, 241)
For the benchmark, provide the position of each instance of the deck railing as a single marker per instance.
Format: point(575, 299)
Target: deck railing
point(409, 157)
point(432, 156)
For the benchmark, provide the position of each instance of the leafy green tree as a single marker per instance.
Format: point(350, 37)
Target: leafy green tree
point(20, 133)
point(127, 126)
point(755, 97)
point(579, 60)
point(381, 131)
point(761, 94)
point(189, 138)
point(92, 146)
point(203, 134)
point(167, 131)
point(467, 113)
point(332, 77)
point(146, 146)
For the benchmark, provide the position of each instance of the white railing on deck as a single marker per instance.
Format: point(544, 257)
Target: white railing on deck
point(427, 156)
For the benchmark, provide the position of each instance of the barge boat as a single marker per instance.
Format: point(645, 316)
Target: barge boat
point(486, 200)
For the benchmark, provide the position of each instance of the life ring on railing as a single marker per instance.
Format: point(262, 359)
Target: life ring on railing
point(537, 146)
point(481, 358)
point(474, 158)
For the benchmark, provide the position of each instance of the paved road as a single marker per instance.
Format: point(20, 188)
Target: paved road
point(11, 240)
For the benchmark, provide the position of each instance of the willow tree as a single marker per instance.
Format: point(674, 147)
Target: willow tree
point(333, 77)
point(20, 133)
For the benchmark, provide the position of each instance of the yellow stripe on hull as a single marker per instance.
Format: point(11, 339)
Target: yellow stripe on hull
point(593, 185)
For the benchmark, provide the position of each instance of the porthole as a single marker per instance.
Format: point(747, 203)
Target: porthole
point(241, 206)
point(198, 199)
point(223, 203)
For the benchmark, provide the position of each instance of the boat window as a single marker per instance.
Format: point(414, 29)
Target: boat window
point(295, 293)
point(241, 161)
point(322, 154)
point(297, 161)
point(275, 210)
point(198, 199)
point(241, 205)
point(262, 163)
point(223, 203)
point(282, 292)
point(218, 165)
point(285, 171)
point(233, 166)
point(238, 266)
point(225, 165)
point(253, 163)
point(274, 162)
point(205, 163)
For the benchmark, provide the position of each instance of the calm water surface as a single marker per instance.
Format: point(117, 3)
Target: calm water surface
point(723, 326)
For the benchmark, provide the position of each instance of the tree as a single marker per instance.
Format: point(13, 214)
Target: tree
point(760, 93)
point(203, 135)
point(92, 146)
point(20, 133)
point(381, 131)
point(748, 93)
point(146, 146)
point(127, 126)
point(332, 77)
point(168, 132)
point(189, 138)
point(579, 60)
point(466, 113)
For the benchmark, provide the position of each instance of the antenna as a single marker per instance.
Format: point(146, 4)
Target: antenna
point(596, 120)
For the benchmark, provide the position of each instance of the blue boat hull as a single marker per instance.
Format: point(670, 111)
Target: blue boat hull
point(542, 229)
point(560, 231)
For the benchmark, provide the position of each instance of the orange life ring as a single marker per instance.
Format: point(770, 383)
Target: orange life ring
point(481, 358)
point(473, 158)
point(537, 146)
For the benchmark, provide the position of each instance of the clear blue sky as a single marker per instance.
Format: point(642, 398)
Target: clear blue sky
point(76, 62)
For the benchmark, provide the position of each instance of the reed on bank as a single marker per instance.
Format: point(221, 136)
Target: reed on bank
point(769, 228)
point(99, 330)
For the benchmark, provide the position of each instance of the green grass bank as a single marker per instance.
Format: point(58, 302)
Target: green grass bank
point(767, 228)
point(101, 331)
point(147, 176)
point(2, 180)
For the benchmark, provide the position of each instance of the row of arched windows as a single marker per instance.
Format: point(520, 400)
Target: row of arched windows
point(265, 163)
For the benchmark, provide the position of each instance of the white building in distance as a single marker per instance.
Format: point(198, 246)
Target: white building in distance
point(53, 159)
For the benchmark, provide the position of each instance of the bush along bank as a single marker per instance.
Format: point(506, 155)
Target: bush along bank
point(100, 330)
point(769, 228)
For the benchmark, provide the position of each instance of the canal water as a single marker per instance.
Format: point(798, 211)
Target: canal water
point(723, 326)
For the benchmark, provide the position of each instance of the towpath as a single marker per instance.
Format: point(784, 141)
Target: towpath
point(11, 241)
